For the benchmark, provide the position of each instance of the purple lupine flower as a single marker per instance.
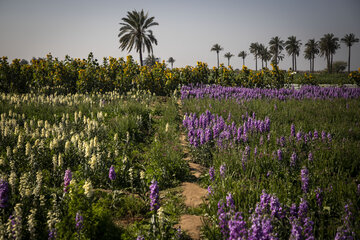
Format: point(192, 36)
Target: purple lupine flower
point(319, 196)
point(222, 170)
point(310, 157)
point(237, 228)
point(67, 179)
point(296, 230)
point(4, 193)
point(212, 173)
point(230, 201)
point(293, 211)
point(293, 160)
point(268, 174)
point(261, 142)
point(255, 151)
point(292, 129)
point(112, 174)
point(154, 196)
point(345, 231)
point(79, 220)
point(52, 234)
point(210, 190)
point(316, 135)
point(323, 136)
point(305, 179)
point(303, 208)
point(308, 229)
point(279, 154)
point(140, 237)
point(268, 137)
point(329, 137)
point(282, 141)
point(223, 220)
point(299, 136)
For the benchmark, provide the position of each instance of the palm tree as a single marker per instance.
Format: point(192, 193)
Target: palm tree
point(262, 54)
point(243, 55)
point(276, 46)
point(171, 60)
point(217, 48)
point(228, 55)
point(151, 60)
point(254, 49)
point(311, 49)
point(349, 40)
point(292, 46)
point(328, 46)
point(266, 56)
point(135, 33)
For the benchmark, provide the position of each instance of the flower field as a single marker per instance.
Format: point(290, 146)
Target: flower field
point(281, 163)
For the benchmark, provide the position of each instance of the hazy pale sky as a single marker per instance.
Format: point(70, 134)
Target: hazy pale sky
point(186, 31)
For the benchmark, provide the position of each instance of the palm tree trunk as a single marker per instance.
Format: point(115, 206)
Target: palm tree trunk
point(228, 62)
point(331, 61)
point(172, 65)
point(217, 58)
point(255, 63)
point(349, 61)
point(243, 61)
point(293, 66)
point(141, 59)
point(262, 63)
point(295, 63)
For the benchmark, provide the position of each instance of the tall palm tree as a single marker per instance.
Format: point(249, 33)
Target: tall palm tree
point(349, 40)
point(135, 33)
point(276, 46)
point(254, 49)
point(228, 55)
point(311, 49)
point(217, 48)
point(292, 46)
point(243, 55)
point(328, 46)
point(266, 56)
point(171, 60)
point(262, 54)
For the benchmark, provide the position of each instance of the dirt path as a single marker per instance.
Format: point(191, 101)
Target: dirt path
point(192, 192)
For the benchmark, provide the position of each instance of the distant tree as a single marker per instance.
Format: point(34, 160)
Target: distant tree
point(243, 55)
point(311, 49)
point(217, 48)
point(254, 49)
point(135, 33)
point(261, 54)
point(228, 55)
point(349, 40)
point(276, 46)
point(24, 62)
point(339, 66)
point(292, 46)
point(171, 60)
point(266, 55)
point(328, 45)
point(151, 60)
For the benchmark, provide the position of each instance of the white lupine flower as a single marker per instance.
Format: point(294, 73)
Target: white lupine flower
point(116, 153)
point(12, 180)
point(27, 149)
point(167, 127)
point(8, 151)
point(93, 162)
point(54, 161)
point(39, 179)
point(24, 186)
point(87, 149)
point(31, 223)
point(142, 175)
point(88, 189)
point(116, 137)
point(15, 150)
point(67, 146)
point(60, 160)
point(14, 225)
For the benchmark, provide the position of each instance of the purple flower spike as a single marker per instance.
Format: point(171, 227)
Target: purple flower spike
point(292, 128)
point(4, 193)
point(305, 179)
point(230, 201)
point(279, 154)
point(112, 174)
point(154, 196)
point(222, 170)
point(67, 179)
point(79, 220)
point(212, 173)
point(293, 160)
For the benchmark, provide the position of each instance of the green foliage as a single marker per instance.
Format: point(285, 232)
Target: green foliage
point(339, 66)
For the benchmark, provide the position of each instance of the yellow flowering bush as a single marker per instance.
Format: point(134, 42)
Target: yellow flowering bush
point(355, 77)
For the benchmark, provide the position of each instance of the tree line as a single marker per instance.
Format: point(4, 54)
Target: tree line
point(135, 33)
point(326, 47)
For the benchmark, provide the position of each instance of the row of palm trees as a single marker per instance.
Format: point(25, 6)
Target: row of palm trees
point(135, 33)
point(325, 47)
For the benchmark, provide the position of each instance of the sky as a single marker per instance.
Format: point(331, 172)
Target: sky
point(186, 31)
